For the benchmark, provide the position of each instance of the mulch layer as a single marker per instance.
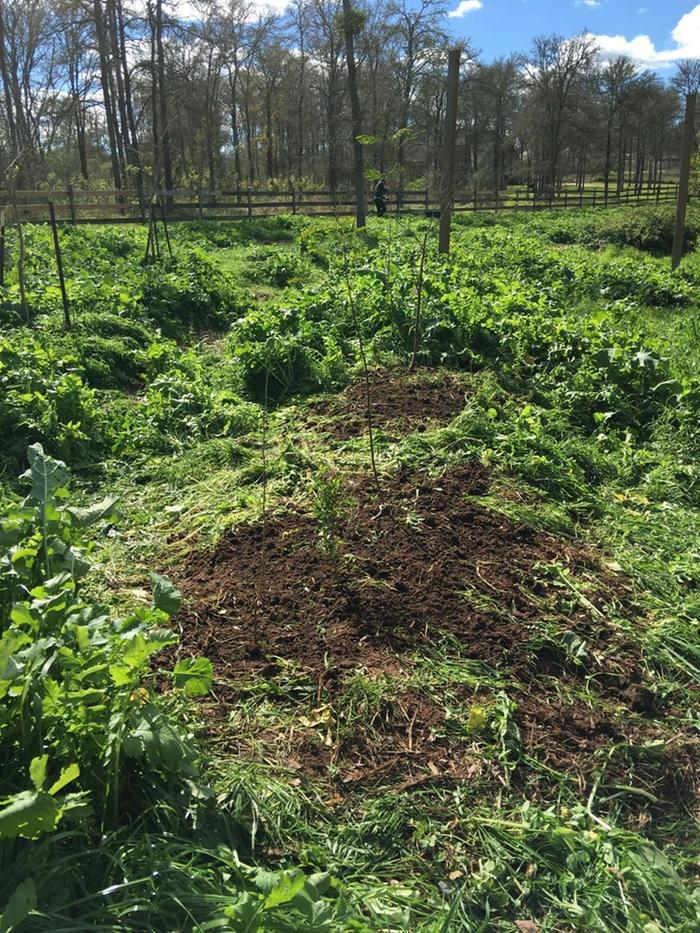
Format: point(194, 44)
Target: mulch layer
point(400, 403)
point(422, 567)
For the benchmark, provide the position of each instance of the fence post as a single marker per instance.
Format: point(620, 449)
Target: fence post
point(594, 196)
point(250, 202)
point(684, 181)
point(59, 265)
point(199, 202)
point(448, 163)
point(2, 249)
point(294, 200)
point(71, 203)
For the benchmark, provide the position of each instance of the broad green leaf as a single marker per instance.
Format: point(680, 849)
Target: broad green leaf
point(121, 675)
point(133, 746)
point(10, 642)
point(266, 881)
point(165, 596)
point(194, 676)
point(45, 473)
point(21, 903)
point(65, 777)
point(21, 615)
point(158, 740)
point(29, 814)
point(289, 885)
point(93, 513)
point(37, 771)
point(245, 913)
point(76, 562)
point(137, 651)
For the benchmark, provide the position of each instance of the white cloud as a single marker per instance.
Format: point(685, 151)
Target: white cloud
point(591, 4)
point(686, 36)
point(466, 6)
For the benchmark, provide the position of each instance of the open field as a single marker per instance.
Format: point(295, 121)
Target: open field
point(422, 647)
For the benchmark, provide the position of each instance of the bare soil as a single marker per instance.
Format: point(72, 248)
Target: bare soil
point(400, 403)
point(422, 568)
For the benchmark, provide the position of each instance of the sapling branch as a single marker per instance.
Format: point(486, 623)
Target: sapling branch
point(419, 301)
point(365, 366)
point(263, 551)
point(20, 274)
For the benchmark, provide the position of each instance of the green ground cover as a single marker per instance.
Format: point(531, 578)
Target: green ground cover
point(148, 781)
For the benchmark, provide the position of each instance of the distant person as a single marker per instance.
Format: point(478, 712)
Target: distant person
point(380, 194)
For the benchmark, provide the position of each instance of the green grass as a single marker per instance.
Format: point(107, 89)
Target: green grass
point(186, 391)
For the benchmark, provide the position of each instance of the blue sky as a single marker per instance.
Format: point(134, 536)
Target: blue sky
point(656, 33)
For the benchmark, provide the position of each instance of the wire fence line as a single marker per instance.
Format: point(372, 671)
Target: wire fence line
point(110, 206)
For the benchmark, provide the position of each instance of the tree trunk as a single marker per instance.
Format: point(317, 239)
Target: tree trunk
point(269, 151)
point(130, 129)
point(80, 135)
point(235, 133)
point(4, 74)
point(163, 100)
point(103, 50)
point(356, 115)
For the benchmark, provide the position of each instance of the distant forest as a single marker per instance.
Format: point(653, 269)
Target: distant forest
point(106, 93)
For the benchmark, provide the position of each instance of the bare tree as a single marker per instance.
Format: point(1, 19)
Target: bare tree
point(352, 22)
point(554, 73)
point(687, 78)
point(416, 28)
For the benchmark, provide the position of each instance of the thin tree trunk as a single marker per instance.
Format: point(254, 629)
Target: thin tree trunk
point(163, 100)
point(103, 50)
point(128, 100)
point(356, 116)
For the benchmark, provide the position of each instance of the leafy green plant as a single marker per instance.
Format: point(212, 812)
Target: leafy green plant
point(280, 268)
point(331, 505)
point(77, 685)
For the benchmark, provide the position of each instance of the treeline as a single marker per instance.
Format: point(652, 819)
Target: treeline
point(132, 95)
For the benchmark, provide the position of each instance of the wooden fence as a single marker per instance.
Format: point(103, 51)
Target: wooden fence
point(80, 206)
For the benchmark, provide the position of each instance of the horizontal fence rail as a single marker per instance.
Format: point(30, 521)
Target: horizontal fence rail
point(80, 206)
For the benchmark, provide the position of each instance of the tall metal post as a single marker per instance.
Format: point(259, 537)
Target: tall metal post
point(448, 153)
point(684, 182)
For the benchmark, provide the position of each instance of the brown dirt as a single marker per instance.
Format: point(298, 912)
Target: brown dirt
point(419, 565)
point(401, 402)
